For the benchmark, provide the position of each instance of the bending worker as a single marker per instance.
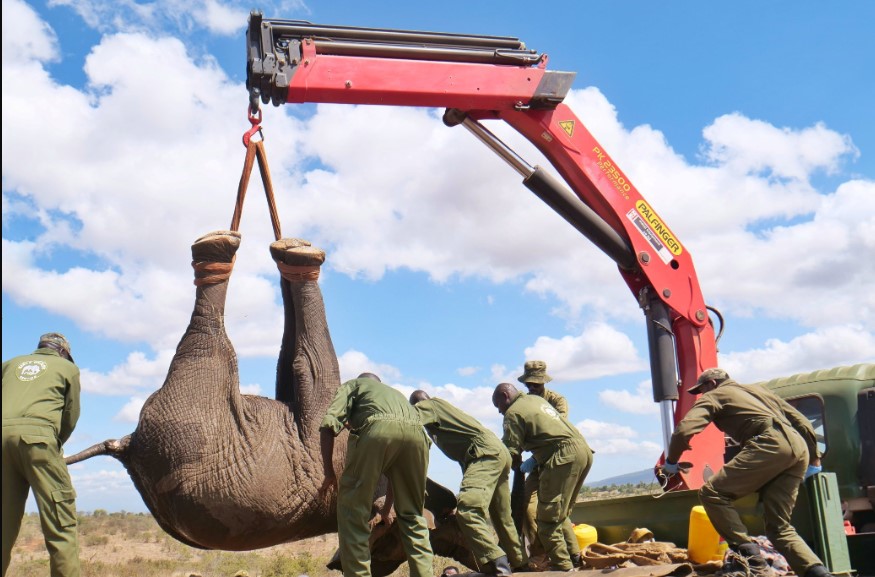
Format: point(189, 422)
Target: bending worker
point(386, 438)
point(40, 410)
point(485, 463)
point(778, 451)
point(535, 378)
point(558, 448)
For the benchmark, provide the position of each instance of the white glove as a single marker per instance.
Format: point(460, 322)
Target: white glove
point(670, 468)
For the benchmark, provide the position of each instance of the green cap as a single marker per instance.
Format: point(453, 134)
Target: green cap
point(535, 372)
point(56, 340)
point(715, 374)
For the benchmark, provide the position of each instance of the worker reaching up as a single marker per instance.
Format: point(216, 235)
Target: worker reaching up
point(778, 451)
point(564, 459)
point(485, 463)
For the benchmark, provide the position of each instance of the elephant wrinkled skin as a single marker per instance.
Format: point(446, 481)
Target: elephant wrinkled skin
point(222, 470)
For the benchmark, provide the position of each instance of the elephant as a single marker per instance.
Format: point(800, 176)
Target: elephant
point(222, 470)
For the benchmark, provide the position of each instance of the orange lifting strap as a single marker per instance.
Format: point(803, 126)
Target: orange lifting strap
point(255, 149)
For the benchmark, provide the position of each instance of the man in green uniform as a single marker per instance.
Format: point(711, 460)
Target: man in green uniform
point(558, 448)
point(40, 410)
point(485, 463)
point(778, 450)
point(385, 438)
point(535, 378)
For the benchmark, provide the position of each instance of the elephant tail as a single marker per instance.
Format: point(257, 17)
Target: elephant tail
point(113, 447)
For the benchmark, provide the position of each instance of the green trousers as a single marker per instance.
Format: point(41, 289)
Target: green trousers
point(400, 451)
point(32, 460)
point(562, 477)
point(530, 524)
point(485, 487)
point(772, 464)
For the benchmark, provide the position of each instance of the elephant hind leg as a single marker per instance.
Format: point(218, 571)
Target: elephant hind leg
point(307, 368)
point(297, 259)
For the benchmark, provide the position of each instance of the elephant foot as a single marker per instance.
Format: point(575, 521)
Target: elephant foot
point(213, 256)
point(296, 259)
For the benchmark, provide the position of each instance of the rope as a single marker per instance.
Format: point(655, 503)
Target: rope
point(212, 272)
point(255, 150)
point(294, 273)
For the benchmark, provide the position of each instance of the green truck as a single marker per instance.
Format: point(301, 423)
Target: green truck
point(840, 403)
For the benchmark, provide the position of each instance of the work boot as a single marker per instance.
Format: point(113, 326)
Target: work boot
point(818, 571)
point(577, 560)
point(498, 567)
point(526, 567)
point(756, 563)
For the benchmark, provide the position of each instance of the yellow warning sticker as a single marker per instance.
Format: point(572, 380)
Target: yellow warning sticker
point(656, 225)
point(567, 126)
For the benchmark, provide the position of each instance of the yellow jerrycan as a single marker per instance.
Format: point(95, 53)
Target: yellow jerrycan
point(586, 535)
point(704, 543)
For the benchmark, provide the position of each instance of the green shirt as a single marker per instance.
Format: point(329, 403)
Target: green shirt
point(43, 386)
point(558, 401)
point(460, 436)
point(532, 424)
point(361, 401)
point(741, 412)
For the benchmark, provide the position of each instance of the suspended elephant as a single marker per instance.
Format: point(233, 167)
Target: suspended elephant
point(222, 470)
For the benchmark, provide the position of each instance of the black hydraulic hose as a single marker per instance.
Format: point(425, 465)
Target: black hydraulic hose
point(580, 216)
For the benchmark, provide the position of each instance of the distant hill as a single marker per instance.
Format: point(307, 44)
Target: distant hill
point(645, 476)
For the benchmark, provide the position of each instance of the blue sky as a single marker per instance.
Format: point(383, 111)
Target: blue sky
point(749, 126)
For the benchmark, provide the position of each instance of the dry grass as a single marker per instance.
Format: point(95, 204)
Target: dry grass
point(132, 545)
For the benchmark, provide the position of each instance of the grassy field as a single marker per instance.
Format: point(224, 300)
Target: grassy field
point(132, 545)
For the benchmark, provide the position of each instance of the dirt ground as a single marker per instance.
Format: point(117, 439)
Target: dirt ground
point(132, 545)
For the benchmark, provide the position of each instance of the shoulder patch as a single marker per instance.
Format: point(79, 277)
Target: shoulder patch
point(30, 370)
point(550, 411)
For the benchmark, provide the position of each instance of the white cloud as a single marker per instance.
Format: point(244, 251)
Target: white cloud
point(132, 204)
point(827, 347)
point(251, 389)
point(353, 363)
point(613, 439)
point(748, 146)
point(182, 17)
point(143, 159)
point(625, 447)
point(108, 487)
point(639, 402)
point(598, 351)
point(468, 371)
point(477, 402)
point(137, 374)
point(130, 413)
point(218, 17)
point(25, 36)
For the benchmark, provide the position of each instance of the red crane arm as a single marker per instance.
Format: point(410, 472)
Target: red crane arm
point(491, 77)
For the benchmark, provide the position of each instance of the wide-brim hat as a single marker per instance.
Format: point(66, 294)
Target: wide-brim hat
point(535, 372)
point(718, 375)
point(57, 340)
